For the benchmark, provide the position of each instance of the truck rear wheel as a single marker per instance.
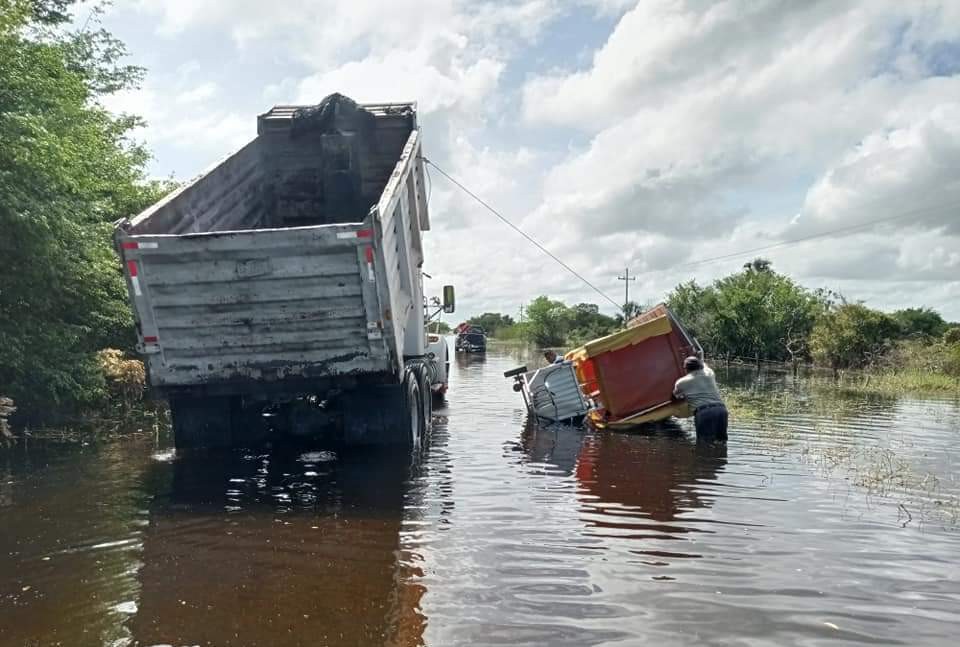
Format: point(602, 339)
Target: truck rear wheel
point(426, 398)
point(413, 407)
point(203, 422)
point(386, 415)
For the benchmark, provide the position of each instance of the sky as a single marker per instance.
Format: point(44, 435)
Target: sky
point(670, 137)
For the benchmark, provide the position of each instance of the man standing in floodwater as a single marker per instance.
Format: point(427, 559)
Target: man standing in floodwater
point(699, 388)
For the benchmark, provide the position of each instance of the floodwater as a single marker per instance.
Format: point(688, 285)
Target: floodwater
point(827, 519)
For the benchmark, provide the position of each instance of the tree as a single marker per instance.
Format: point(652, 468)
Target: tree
point(755, 313)
point(952, 336)
point(67, 169)
point(759, 265)
point(548, 322)
point(587, 322)
point(851, 335)
point(920, 322)
point(695, 306)
point(630, 310)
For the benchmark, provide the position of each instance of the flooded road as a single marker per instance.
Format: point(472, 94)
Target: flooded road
point(828, 518)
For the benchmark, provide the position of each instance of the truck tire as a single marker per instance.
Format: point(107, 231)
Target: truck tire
point(203, 422)
point(426, 398)
point(413, 428)
point(447, 371)
point(385, 415)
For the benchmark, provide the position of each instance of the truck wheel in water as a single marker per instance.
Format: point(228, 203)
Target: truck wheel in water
point(413, 411)
point(200, 422)
point(426, 398)
point(384, 415)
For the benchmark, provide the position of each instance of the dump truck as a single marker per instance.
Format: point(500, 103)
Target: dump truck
point(282, 289)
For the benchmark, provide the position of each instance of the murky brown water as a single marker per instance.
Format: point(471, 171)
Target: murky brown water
point(826, 519)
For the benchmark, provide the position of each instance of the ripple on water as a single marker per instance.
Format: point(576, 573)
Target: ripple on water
point(502, 532)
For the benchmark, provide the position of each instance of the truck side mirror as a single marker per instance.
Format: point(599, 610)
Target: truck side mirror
point(449, 299)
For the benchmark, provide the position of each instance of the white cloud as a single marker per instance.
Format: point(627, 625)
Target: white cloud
point(908, 173)
point(700, 115)
point(406, 76)
point(696, 130)
point(325, 32)
point(752, 54)
point(182, 113)
point(198, 94)
point(447, 56)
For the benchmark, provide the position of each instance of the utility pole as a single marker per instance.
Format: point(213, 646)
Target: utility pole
point(626, 278)
point(521, 313)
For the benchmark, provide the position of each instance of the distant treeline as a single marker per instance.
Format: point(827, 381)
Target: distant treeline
point(549, 323)
point(759, 315)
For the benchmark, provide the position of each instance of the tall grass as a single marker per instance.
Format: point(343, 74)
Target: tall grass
point(899, 381)
point(6, 410)
point(911, 366)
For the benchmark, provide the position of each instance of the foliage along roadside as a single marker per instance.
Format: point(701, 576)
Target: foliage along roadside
point(551, 323)
point(69, 169)
point(761, 316)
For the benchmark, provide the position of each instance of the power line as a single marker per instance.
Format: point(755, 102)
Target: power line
point(928, 211)
point(520, 231)
point(785, 243)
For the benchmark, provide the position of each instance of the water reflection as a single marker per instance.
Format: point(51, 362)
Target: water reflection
point(465, 360)
point(288, 547)
point(659, 475)
point(69, 538)
point(631, 486)
point(569, 537)
point(556, 444)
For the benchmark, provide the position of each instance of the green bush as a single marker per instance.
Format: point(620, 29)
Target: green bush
point(952, 336)
point(516, 332)
point(920, 323)
point(756, 313)
point(491, 322)
point(852, 335)
point(67, 169)
point(951, 364)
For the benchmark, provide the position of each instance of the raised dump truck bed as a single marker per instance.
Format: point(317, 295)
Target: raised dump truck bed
point(290, 269)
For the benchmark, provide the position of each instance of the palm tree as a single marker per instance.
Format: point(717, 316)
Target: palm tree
point(758, 265)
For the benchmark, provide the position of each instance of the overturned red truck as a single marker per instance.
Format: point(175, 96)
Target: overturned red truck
point(618, 381)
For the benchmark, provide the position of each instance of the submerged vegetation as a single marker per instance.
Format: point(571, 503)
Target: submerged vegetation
point(814, 420)
point(894, 381)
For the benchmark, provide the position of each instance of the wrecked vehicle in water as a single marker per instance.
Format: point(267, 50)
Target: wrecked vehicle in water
point(619, 381)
